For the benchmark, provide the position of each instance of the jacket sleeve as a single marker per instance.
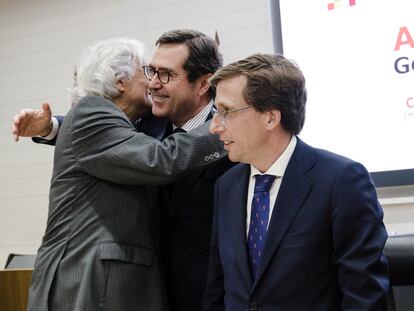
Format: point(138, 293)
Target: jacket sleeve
point(51, 142)
point(359, 236)
point(214, 293)
point(107, 146)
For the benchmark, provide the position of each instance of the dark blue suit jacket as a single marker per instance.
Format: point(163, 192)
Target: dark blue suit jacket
point(324, 244)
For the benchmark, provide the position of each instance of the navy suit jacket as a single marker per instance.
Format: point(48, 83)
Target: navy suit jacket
point(324, 244)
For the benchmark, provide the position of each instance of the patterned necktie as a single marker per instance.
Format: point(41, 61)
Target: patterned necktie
point(259, 218)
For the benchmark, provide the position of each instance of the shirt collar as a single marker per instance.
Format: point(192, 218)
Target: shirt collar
point(198, 119)
point(278, 167)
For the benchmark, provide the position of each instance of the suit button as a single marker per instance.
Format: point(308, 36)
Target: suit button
point(216, 155)
point(253, 305)
point(206, 159)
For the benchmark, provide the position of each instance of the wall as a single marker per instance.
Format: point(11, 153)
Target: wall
point(398, 205)
point(40, 42)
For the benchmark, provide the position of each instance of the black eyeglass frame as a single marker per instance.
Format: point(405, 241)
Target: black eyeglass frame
point(150, 72)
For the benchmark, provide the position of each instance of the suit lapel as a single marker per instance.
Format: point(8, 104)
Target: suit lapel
point(293, 191)
point(238, 204)
point(153, 126)
point(189, 178)
point(195, 175)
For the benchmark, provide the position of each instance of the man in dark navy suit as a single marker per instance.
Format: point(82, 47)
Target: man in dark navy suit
point(178, 74)
point(295, 228)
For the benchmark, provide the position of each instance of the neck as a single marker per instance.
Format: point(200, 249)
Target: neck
point(132, 111)
point(203, 102)
point(272, 150)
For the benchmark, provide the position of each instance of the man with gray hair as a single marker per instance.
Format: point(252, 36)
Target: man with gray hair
point(101, 249)
point(178, 80)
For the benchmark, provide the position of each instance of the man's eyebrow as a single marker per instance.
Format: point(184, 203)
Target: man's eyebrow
point(221, 106)
point(158, 68)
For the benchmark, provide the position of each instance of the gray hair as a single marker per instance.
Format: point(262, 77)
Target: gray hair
point(103, 65)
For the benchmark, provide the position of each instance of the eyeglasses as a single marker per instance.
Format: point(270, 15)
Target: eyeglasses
point(224, 116)
point(163, 74)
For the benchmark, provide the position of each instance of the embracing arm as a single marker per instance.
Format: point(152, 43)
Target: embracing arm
point(38, 124)
point(107, 146)
point(359, 237)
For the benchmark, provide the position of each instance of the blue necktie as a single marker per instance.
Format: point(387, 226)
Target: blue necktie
point(259, 218)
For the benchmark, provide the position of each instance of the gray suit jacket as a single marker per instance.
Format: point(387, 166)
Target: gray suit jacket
point(101, 248)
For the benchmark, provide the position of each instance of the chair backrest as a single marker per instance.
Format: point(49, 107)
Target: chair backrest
point(399, 250)
point(19, 261)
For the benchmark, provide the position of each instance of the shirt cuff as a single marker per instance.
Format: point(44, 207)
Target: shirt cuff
point(53, 133)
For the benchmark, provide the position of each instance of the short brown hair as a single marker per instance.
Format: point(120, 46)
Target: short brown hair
point(204, 56)
point(273, 82)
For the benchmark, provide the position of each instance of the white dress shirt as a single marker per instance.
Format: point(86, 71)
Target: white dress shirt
point(277, 169)
point(53, 132)
point(198, 119)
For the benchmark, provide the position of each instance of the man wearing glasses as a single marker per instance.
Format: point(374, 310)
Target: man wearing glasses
point(179, 85)
point(178, 81)
point(295, 227)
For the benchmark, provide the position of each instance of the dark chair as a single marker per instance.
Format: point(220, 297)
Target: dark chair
point(399, 250)
point(19, 261)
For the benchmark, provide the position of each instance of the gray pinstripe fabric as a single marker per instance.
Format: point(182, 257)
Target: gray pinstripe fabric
point(101, 247)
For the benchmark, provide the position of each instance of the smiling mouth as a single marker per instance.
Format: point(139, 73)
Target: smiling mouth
point(227, 142)
point(158, 97)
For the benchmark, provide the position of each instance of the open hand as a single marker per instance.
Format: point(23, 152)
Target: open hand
point(31, 122)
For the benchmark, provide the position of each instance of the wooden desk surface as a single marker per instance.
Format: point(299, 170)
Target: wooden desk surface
point(14, 289)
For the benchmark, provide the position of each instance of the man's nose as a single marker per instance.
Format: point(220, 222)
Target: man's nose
point(216, 125)
point(154, 83)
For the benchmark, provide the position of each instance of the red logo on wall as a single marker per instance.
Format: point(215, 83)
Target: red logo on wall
point(410, 102)
point(337, 4)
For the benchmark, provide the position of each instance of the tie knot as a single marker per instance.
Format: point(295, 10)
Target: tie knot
point(263, 182)
point(179, 130)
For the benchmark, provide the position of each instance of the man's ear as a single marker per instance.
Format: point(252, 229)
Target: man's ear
point(204, 84)
point(120, 85)
point(274, 118)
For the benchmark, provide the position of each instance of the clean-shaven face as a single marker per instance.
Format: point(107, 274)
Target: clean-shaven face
point(245, 132)
point(176, 99)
